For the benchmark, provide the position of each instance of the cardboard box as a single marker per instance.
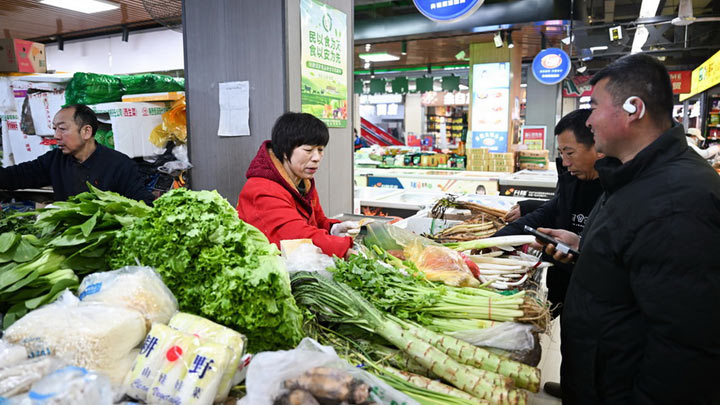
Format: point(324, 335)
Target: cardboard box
point(23, 147)
point(43, 107)
point(534, 153)
point(18, 55)
point(132, 124)
point(169, 96)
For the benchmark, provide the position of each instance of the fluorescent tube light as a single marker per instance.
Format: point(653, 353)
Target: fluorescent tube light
point(598, 48)
point(378, 57)
point(83, 6)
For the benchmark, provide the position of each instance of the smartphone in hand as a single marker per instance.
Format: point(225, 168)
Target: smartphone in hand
point(560, 246)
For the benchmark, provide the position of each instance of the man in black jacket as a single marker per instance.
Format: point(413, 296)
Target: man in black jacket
point(641, 317)
point(577, 191)
point(77, 160)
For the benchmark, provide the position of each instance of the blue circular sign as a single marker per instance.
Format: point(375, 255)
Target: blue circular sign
point(447, 10)
point(551, 66)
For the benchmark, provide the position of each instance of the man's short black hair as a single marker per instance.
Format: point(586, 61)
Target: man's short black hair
point(575, 121)
point(295, 129)
point(643, 76)
point(84, 115)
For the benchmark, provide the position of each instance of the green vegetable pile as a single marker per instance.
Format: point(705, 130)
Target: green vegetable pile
point(39, 261)
point(216, 265)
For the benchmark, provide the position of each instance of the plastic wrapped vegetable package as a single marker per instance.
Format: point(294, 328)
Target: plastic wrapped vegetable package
point(93, 88)
point(19, 377)
point(138, 288)
point(209, 331)
point(69, 385)
point(177, 368)
point(272, 375)
point(95, 336)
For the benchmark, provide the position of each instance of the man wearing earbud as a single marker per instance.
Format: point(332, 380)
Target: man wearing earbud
point(641, 322)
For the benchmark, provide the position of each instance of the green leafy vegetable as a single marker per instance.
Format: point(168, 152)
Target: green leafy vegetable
point(216, 265)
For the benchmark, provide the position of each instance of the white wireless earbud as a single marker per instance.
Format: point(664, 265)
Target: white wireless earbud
point(630, 107)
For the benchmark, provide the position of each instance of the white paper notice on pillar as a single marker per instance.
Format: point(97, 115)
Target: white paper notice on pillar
point(234, 108)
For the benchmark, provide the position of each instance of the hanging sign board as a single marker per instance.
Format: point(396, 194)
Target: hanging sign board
point(324, 62)
point(681, 81)
point(551, 66)
point(447, 10)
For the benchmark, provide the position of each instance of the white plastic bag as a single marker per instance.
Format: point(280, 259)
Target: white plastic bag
point(269, 370)
point(138, 288)
point(95, 336)
point(507, 336)
point(308, 257)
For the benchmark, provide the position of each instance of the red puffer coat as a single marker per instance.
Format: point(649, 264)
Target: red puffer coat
point(271, 203)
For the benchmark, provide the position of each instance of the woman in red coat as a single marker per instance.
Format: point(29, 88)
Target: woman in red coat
point(279, 197)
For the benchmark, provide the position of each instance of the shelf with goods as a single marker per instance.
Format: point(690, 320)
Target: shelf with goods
point(713, 119)
point(453, 117)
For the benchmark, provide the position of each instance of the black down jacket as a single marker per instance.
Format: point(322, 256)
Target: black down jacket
point(641, 323)
point(568, 209)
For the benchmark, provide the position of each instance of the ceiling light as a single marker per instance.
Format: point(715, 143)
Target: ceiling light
point(367, 47)
point(598, 48)
point(403, 48)
point(372, 73)
point(523, 84)
point(378, 57)
point(83, 6)
point(581, 69)
point(509, 40)
point(367, 65)
point(498, 40)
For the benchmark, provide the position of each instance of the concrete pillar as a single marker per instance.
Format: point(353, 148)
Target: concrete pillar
point(256, 41)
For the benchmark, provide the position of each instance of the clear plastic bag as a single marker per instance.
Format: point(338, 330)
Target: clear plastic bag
point(11, 354)
point(138, 288)
point(269, 370)
point(95, 336)
point(69, 385)
point(508, 336)
point(308, 257)
point(440, 264)
point(18, 378)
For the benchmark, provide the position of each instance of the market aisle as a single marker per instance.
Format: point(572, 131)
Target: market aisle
point(549, 364)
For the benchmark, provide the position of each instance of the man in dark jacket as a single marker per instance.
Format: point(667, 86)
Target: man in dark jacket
point(77, 160)
point(640, 324)
point(577, 191)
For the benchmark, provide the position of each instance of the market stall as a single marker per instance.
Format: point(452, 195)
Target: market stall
point(166, 303)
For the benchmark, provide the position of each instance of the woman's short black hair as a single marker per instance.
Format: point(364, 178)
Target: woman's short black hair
point(84, 115)
point(575, 122)
point(295, 129)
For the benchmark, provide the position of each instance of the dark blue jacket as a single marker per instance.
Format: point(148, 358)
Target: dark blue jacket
point(105, 168)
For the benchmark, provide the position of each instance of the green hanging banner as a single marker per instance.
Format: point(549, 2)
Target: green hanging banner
point(451, 83)
point(358, 86)
point(400, 85)
point(424, 84)
point(377, 86)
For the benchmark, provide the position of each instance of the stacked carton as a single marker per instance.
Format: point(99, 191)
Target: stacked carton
point(481, 159)
point(533, 159)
